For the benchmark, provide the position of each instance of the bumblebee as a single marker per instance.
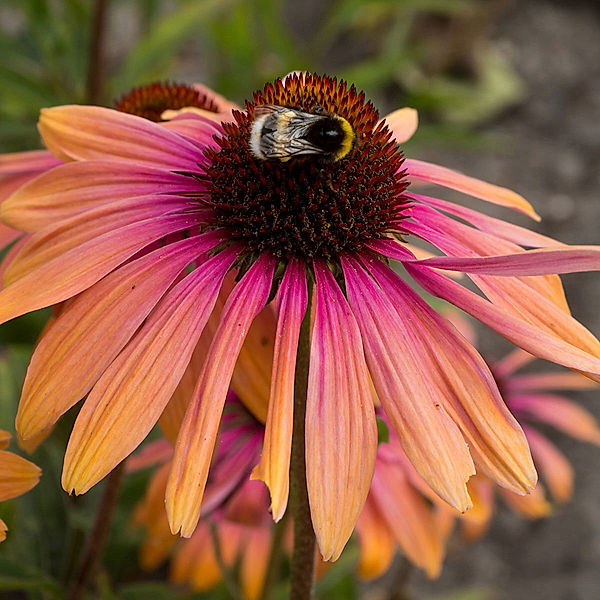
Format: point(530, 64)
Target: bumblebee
point(280, 132)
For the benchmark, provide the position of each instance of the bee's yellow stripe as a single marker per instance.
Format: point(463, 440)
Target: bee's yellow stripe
point(348, 141)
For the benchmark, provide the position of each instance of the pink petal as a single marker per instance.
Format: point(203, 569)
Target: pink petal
point(104, 317)
point(554, 467)
point(544, 261)
point(26, 163)
point(550, 381)
point(274, 465)
point(410, 399)
point(459, 240)
point(198, 431)
point(126, 402)
point(512, 362)
point(76, 187)
point(92, 132)
point(466, 388)
point(531, 337)
point(341, 430)
point(565, 415)
point(419, 169)
point(499, 228)
point(82, 266)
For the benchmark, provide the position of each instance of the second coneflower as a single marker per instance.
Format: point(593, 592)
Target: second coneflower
point(166, 211)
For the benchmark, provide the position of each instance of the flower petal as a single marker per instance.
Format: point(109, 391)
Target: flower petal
point(126, 402)
point(459, 240)
point(429, 437)
point(528, 336)
point(425, 171)
point(198, 432)
point(502, 229)
point(408, 517)
point(104, 317)
point(550, 381)
point(377, 547)
point(76, 187)
point(403, 123)
point(542, 261)
point(564, 414)
point(341, 430)
point(467, 389)
point(17, 475)
point(255, 560)
point(93, 132)
point(82, 266)
point(274, 464)
point(556, 470)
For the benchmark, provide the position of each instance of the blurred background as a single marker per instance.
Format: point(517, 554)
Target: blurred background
point(507, 91)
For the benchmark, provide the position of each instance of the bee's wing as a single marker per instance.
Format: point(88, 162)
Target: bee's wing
point(262, 110)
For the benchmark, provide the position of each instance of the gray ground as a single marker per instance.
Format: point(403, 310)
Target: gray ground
point(554, 160)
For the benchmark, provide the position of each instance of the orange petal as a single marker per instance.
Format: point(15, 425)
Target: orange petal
point(62, 369)
point(126, 402)
point(255, 559)
point(377, 547)
point(532, 506)
point(403, 123)
point(274, 465)
point(82, 266)
point(341, 430)
point(17, 475)
point(555, 468)
point(408, 516)
point(419, 169)
point(92, 132)
point(414, 409)
point(4, 439)
point(195, 443)
point(172, 417)
point(76, 187)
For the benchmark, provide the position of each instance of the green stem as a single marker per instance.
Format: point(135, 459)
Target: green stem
point(95, 74)
point(303, 558)
point(98, 536)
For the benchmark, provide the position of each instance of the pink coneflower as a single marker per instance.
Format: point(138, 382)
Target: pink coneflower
point(17, 476)
point(158, 215)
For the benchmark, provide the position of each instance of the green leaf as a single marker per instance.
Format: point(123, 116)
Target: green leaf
point(18, 576)
point(165, 38)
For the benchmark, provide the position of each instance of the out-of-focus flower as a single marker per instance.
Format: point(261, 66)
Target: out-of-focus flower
point(158, 216)
point(400, 512)
point(17, 476)
point(533, 397)
point(235, 526)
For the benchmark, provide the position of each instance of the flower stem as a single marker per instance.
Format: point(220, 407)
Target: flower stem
point(303, 558)
point(95, 72)
point(98, 536)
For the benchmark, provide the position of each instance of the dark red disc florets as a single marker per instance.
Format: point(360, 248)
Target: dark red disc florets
point(308, 207)
point(151, 101)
